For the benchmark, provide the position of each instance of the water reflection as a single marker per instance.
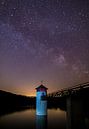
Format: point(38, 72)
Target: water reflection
point(41, 122)
point(18, 120)
point(27, 119)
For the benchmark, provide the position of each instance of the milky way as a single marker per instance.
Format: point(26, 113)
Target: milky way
point(43, 40)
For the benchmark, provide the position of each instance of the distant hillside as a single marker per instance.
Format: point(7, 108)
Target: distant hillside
point(10, 100)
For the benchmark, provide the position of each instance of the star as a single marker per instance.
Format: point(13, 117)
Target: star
point(44, 39)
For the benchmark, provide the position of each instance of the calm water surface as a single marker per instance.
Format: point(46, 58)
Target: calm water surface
point(56, 119)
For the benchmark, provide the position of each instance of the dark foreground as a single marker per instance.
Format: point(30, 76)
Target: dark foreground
point(11, 103)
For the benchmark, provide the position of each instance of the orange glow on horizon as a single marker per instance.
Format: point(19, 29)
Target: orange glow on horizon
point(29, 95)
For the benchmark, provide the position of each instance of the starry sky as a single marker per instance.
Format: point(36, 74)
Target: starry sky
point(43, 40)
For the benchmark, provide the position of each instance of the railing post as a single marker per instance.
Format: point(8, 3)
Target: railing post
point(75, 113)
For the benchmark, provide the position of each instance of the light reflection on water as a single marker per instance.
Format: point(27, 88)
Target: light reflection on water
point(28, 120)
point(56, 119)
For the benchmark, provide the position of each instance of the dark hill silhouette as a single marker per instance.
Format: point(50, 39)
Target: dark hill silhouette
point(10, 100)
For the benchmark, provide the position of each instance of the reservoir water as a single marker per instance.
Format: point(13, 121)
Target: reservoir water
point(27, 119)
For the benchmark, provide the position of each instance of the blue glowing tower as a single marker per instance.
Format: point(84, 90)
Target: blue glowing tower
point(41, 100)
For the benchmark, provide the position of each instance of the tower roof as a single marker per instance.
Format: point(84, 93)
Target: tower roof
point(41, 87)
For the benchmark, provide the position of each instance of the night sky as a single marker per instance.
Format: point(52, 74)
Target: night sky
point(43, 40)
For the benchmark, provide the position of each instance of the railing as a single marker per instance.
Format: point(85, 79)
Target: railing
point(69, 89)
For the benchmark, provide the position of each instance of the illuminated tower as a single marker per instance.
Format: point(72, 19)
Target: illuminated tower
point(41, 100)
